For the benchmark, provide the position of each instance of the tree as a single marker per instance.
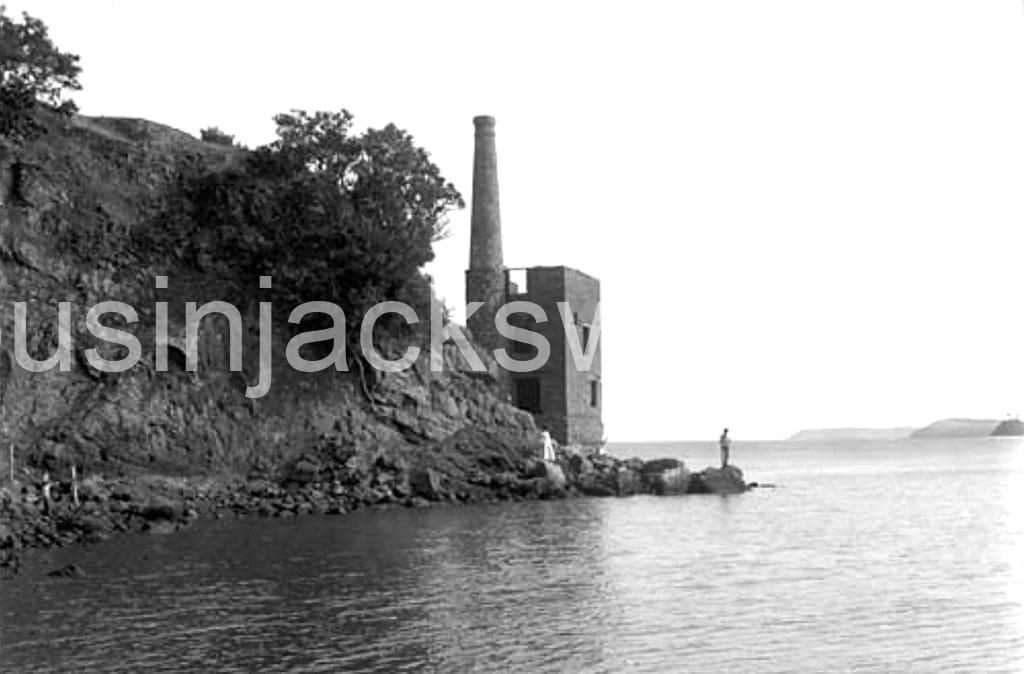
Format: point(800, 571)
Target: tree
point(331, 215)
point(213, 134)
point(33, 74)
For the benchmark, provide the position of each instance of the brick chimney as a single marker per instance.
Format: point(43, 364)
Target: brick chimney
point(485, 278)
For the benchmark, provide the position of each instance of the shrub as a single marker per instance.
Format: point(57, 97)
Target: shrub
point(33, 74)
point(212, 134)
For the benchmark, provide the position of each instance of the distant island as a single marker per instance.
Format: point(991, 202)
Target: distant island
point(824, 434)
point(944, 428)
point(1010, 427)
point(958, 428)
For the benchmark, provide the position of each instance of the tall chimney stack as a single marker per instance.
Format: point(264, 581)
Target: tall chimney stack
point(485, 278)
point(485, 244)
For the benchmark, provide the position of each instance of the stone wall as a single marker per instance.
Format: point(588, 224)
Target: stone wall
point(583, 293)
point(566, 409)
point(545, 287)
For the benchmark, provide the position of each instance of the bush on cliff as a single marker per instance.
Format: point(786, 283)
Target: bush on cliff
point(213, 134)
point(331, 215)
point(33, 74)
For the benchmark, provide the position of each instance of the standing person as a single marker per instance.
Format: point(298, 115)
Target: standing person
point(549, 446)
point(723, 443)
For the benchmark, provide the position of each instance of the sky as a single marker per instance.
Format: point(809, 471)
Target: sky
point(804, 213)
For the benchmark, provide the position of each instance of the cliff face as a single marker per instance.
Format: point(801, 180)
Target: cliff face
point(73, 203)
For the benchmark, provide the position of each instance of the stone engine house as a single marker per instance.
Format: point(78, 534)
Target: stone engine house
point(564, 400)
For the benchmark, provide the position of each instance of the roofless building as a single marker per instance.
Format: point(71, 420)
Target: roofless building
point(563, 399)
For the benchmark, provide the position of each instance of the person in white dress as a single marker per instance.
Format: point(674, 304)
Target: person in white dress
point(549, 446)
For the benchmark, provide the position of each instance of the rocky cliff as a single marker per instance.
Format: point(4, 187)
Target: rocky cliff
point(74, 203)
point(154, 449)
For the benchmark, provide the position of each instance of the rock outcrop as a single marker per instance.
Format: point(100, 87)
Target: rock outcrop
point(666, 477)
point(609, 476)
point(67, 571)
point(728, 480)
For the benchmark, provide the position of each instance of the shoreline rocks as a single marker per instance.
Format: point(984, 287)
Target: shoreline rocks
point(728, 480)
point(157, 504)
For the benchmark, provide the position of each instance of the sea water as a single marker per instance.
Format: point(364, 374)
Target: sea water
point(866, 556)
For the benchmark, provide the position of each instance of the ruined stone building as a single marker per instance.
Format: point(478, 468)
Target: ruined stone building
point(565, 401)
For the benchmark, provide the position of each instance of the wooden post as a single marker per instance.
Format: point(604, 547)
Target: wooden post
point(5, 432)
point(47, 499)
point(74, 485)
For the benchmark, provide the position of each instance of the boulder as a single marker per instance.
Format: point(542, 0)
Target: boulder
point(728, 480)
point(658, 465)
point(417, 502)
point(548, 470)
point(303, 472)
point(540, 487)
point(597, 484)
point(67, 571)
point(665, 477)
point(93, 524)
point(580, 465)
point(160, 508)
point(634, 464)
point(427, 483)
point(602, 462)
point(161, 527)
point(628, 481)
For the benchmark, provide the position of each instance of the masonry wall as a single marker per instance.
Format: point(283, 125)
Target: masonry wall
point(485, 278)
point(583, 294)
point(565, 393)
point(487, 286)
point(545, 286)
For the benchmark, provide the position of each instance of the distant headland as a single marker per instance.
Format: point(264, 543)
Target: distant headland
point(970, 428)
point(819, 434)
point(943, 428)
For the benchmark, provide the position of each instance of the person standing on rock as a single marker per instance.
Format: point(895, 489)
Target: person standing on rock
point(723, 444)
point(549, 446)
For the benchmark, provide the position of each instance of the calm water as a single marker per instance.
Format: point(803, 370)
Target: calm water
point(877, 557)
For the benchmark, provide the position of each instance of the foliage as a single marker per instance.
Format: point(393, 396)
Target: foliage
point(33, 74)
point(213, 134)
point(330, 214)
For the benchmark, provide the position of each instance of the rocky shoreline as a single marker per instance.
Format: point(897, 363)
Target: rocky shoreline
point(158, 504)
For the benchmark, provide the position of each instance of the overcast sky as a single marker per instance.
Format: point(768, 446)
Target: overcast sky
point(804, 213)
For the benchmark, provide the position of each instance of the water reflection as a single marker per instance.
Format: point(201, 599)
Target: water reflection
point(914, 566)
